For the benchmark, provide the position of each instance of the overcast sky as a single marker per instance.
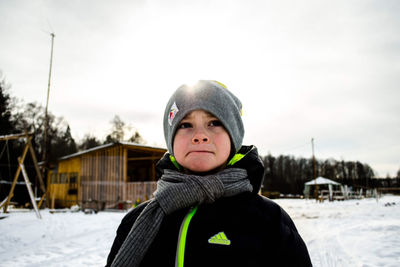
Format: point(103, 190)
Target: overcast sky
point(328, 70)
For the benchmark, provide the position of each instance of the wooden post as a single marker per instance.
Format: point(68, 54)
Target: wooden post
point(53, 197)
point(125, 176)
point(35, 163)
point(153, 169)
point(13, 136)
point(28, 185)
point(3, 202)
point(41, 200)
point(11, 194)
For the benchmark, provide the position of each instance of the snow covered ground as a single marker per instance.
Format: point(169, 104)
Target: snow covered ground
point(348, 233)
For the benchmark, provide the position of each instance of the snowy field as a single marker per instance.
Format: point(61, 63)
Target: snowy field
point(348, 233)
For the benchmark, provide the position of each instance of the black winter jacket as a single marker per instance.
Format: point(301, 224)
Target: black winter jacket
point(258, 232)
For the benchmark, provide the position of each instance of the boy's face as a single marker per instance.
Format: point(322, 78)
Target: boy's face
point(201, 143)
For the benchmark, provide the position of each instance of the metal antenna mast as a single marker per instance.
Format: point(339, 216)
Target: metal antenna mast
point(314, 171)
point(46, 122)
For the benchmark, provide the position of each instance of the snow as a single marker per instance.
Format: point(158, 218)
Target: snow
point(61, 239)
point(349, 233)
point(345, 233)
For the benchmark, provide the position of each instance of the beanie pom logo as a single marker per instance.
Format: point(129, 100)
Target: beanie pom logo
point(172, 113)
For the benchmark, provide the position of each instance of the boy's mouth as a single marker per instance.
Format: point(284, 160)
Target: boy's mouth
point(200, 152)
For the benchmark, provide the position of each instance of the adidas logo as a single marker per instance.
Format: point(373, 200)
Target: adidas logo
point(219, 239)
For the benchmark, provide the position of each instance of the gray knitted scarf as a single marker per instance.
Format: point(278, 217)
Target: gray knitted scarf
point(175, 191)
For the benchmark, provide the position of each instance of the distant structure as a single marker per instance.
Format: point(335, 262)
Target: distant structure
point(114, 175)
point(327, 189)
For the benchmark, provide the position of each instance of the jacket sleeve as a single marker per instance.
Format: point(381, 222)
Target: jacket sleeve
point(292, 247)
point(123, 231)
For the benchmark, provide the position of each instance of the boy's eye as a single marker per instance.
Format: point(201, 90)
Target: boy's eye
point(185, 125)
point(215, 123)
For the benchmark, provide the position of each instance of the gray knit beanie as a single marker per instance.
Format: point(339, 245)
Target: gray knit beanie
point(210, 96)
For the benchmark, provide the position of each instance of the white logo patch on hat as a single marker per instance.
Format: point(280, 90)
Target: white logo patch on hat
point(172, 113)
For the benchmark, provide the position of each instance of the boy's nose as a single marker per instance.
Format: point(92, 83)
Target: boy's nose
point(200, 138)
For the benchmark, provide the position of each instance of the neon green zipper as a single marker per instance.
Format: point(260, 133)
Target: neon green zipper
point(180, 251)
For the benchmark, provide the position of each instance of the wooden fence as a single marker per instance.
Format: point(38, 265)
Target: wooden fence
point(103, 195)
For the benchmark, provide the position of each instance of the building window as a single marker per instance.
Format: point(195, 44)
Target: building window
point(73, 178)
point(73, 183)
point(72, 191)
point(63, 178)
point(139, 172)
point(54, 178)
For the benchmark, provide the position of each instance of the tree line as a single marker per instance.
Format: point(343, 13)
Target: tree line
point(287, 174)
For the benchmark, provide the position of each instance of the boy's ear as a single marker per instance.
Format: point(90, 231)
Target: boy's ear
point(233, 152)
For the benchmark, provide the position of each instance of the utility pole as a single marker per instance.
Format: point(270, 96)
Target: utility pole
point(46, 120)
point(314, 171)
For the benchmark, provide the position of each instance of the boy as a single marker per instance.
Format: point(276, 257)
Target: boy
point(206, 210)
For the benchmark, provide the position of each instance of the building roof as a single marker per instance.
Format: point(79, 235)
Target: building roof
point(321, 180)
point(129, 144)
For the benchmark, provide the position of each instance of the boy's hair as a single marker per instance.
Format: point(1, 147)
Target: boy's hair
point(210, 96)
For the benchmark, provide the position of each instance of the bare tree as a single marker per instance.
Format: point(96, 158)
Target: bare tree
point(119, 129)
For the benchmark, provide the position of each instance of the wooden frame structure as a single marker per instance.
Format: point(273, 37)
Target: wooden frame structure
point(114, 175)
point(21, 168)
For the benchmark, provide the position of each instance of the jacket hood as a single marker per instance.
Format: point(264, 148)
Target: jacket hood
point(249, 160)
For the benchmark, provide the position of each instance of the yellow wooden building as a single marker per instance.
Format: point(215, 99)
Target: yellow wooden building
point(114, 175)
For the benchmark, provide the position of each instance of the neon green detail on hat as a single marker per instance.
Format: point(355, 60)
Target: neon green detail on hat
point(173, 160)
point(235, 159)
point(223, 85)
